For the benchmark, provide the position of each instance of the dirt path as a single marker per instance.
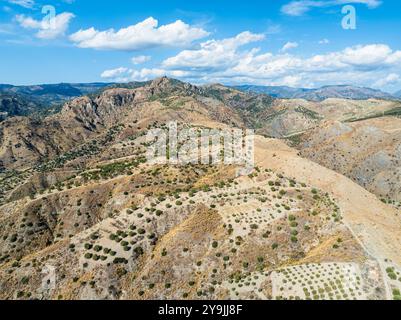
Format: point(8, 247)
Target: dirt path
point(374, 223)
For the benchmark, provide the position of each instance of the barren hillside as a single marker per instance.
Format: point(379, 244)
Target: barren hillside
point(367, 151)
point(82, 200)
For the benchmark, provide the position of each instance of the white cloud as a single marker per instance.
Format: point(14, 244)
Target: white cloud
point(125, 75)
point(225, 61)
point(147, 74)
point(289, 46)
point(233, 60)
point(23, 3)
point(391, 79)
point(213, 54)
point(300, 7)
point(324, 41)
point(52, 29)
point(28, 22)
point(145, 34)
point(114, 73)
point(140, 59)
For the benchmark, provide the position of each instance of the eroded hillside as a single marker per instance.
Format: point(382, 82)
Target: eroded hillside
point(367, 151)
point(85, 203)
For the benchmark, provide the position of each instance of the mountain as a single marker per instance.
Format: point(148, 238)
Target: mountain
point(282, 92)
point(320, 94)
point(397, 94)
point(52, 94)
point(15, 105)
point(41, 99)
point(24, 100)
point(79, 196)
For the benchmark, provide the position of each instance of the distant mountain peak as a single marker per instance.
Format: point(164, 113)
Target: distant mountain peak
point(320, 94)
point(397, 94)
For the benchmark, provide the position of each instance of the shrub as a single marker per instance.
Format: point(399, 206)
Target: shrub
point(94, 236)
point(25, 280)
point(139, 251)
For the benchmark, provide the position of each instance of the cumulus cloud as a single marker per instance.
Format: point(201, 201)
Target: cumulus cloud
point(47, 29)
point(213, 54)
point(289, 46)
point(125, 75)
point(235, 60)
point(140, 59)
point(300, 7)
point(225, 62)
point(114, 73)
point(147, 74)
point(143, 35)
point(391, 79)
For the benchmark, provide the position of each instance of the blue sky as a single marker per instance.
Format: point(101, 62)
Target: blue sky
point(270, 42)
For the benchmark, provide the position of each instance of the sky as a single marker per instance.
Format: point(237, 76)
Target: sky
point(298, 43)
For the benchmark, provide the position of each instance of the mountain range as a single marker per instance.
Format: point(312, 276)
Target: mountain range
point(397, 94)
point(28, 100)
point(320, 94)
point(48, 98)
point(318, 217)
